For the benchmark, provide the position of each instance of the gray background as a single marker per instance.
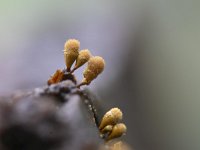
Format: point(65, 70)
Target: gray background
point(152, 56)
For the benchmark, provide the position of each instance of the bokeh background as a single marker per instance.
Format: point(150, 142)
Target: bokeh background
point(152, 53)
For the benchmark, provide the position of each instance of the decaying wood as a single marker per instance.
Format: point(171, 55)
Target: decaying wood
point(55, 117)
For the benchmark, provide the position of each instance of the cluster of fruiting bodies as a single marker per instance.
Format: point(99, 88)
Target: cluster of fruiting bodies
point(72, 54)
point(110, 126)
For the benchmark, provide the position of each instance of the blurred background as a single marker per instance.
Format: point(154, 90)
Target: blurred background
point(152, 54)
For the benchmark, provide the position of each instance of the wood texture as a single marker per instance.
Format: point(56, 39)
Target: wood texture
point(56, 117)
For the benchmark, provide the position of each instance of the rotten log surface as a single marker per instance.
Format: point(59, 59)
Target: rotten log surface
point(56, 117)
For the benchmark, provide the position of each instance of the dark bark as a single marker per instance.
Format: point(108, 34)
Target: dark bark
point(56, 117)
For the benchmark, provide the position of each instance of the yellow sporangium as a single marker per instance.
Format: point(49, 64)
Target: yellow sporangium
point(117, 131)
point(71, 51)
point(112, 117)
point(83, 57)
point(95, 66)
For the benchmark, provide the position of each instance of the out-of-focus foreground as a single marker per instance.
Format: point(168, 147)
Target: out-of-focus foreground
point(152, 56)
